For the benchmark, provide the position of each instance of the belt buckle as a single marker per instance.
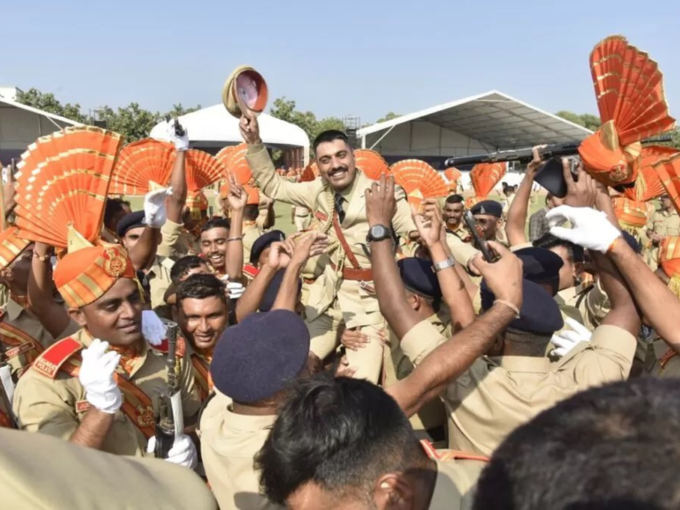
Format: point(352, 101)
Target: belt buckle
point(363, 285)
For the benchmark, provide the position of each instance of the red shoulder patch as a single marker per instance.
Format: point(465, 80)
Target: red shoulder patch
point(51, 360)
point(250, 271)
point(163, 347)
point(181, 347)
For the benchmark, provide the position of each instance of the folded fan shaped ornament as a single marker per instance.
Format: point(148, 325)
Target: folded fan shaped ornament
point(372, 164)
point(225, 154)
point(202, 170)
point(668, 170)
point(310, 173)
point(632, 215)
point(141, 166)
point(485, 176)
point(239, 167)
point(648, 184)
point(62, 184)
point(632, 105)
point(419, 180)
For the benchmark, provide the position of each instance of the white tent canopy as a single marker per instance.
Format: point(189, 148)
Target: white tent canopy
point(475, 125)
point(21, 125)
point(214, 128)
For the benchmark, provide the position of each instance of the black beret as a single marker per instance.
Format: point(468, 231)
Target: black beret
point(490, 207)
point(263, 242)
point(541, 266)
point(418, 276)
point(539, 313)
point(130, 221)
point(632, 242)
point(257, 358)
point(273, 290)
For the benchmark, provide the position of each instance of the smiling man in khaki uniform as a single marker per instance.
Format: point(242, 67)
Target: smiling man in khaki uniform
point(665, 222)
point(344, 293)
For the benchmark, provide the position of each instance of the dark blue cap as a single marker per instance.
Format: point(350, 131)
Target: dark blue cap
point(258, 357)
point(539, 313)
point(490, 207)
point(263, 242)
point(130, 221)
point(419, 277)
point(541, 266)
point(632, 242)
point(273, 290)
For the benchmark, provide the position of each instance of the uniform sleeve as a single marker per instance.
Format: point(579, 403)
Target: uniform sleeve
point(420, 341)
point(171, 232)
point(597, 304)
point(606, 358)
point(43, 405)
point(191, 401)
point(461, 251)
point(276, 187)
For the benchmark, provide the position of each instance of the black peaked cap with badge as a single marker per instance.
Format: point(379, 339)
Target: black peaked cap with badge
point(263, 242)
point(130, 221)
point(419, 277)
point(490, 207)
point(539, 314)
point(260, 356)
point(541, 266)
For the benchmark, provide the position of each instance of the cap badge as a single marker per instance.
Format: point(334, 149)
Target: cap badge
point(115, 263)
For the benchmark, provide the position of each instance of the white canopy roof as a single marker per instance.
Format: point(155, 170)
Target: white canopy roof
point(21, 125)
point(214, 127)
point(494, 119)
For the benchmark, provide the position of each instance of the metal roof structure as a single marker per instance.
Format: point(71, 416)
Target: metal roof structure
point(494, 119)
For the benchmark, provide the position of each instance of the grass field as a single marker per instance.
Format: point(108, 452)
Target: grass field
point(283, 211)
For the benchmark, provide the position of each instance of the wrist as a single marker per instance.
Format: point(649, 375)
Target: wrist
point(438, 252)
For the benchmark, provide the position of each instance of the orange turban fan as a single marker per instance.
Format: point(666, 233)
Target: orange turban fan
point(253, 195)
point(632, 215)
point(669, 260)
point(10, 246)
point(84, 276)
point(197, 202)
point(224, 190)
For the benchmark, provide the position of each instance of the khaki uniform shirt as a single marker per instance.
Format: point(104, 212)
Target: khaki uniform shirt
point(507, 203)
point(229, 443)
point(251, 232)
point(20, 318)
point(462, 252)
point(358, 303)
point(665, 223)
point(42, 472)
point(498, 394)
point(455, 486)
point(159, 280)
point(177, 242)
point(57, 405)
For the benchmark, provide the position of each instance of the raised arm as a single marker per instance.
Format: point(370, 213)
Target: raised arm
point(517, 214)
point(271, 183)
point(451, 359)
point(53, 317)
point(238, 199)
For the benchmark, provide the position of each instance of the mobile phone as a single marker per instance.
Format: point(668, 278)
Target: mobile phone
point(179, 130)
point(471, 224)
point(551, 176)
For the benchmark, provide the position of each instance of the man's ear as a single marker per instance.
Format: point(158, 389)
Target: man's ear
point(393, 492)
point(77, 315)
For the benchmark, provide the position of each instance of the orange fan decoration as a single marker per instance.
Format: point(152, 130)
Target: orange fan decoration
point(669, 260)
point(452, 175)
point(668, 170)
point(630, 98)
point(419, 180)
point(202, 170)
point(632, 215)
point(238, 166)
point(371, 163)
point(310, 173)
point(225, 154)
point(485, 176)
point(648, 185)
point(11, 246)
point(62, 185)
point(140, 164)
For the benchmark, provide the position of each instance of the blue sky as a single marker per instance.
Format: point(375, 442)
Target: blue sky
point(334, 58)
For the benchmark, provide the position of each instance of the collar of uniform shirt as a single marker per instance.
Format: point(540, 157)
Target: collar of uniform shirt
point(523, 363)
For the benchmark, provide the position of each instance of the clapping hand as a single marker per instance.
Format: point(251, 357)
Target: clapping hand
point(380, 202)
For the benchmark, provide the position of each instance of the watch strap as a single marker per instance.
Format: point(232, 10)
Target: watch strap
point(439, 266)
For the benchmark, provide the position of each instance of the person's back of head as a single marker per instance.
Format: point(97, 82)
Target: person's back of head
point(251, 212)
point(612, 447)
point(334, 440)
point(186, 266)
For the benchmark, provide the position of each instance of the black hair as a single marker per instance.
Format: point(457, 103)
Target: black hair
point(339, 433)
point(527, 344)
point(455, 199)
point(549, 241)
point(113, 207)
point(182, 267)
point(251, 212)
point(329, 136)
point(216, 223)
point(611, 447)
point(201, 286)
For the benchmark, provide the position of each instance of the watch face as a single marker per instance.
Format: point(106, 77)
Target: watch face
point(378, 232)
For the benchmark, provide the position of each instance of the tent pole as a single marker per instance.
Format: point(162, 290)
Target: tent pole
point(382, 137)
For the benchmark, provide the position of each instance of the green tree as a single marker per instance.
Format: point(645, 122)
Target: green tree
point(586, 120)
point(178, 110)
point(389, 116)
point(133, 122)
point(48, 103)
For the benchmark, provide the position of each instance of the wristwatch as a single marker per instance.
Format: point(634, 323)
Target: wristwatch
point(440, 266)
point(378, 233)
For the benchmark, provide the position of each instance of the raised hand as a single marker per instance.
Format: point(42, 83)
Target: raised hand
point(250, 128)
point(429, 223)
point(380, 202)
point(155, 213)
point(237, 198)
point(591, 228)
point(96, 376)
point(503, 277)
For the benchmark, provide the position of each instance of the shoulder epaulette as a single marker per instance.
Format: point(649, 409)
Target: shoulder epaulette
point(449, 455)
point(51, 360)
point(250, 271)
point(163, 347)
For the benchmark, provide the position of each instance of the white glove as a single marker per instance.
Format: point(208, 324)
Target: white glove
point(155, 213)
point(154, 329)
point(96, 376)
point(592, 229)
point(181, 142)
point(566, 340)
point(183, 451)
point(235, 290)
